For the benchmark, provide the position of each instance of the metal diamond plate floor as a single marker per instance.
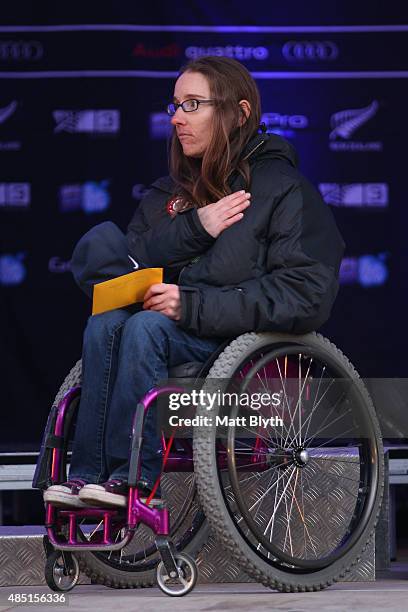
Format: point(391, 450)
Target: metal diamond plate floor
point(22, 561)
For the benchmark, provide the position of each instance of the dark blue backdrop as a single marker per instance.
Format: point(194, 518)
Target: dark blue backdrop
point(83, 132)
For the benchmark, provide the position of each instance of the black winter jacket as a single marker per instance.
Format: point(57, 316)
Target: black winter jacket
point(275, 270)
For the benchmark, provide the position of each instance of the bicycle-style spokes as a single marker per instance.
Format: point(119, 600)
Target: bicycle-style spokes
point(298, 486)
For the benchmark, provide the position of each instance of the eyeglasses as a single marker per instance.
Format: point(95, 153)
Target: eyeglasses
point(188, 106)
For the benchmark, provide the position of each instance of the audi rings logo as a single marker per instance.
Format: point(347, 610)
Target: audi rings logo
point(310, 51)
point(21, 50)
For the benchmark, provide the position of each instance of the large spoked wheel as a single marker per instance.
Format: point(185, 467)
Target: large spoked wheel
point(296, 497)
point(136, 564)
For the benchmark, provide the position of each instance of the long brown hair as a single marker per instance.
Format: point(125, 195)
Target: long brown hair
point(202, 181)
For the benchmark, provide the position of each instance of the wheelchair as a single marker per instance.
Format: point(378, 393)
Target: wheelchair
point(294, 500)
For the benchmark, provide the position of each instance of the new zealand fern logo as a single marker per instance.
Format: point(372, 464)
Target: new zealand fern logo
point(345, 123)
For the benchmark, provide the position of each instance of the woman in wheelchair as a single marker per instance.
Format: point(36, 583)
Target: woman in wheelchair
point(246, 243)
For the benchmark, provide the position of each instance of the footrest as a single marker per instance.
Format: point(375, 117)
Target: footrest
point(89, 512)
point(160, 504)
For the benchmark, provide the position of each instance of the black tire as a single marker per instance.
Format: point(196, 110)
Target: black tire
point(61, 571)
point(172, 587)
point(228, 517)
point(190, 529)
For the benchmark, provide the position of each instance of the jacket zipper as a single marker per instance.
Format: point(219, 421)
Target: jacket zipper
point(254, 149)
point(182, 270)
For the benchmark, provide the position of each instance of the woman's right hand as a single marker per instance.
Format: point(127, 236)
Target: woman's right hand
point(215, 218)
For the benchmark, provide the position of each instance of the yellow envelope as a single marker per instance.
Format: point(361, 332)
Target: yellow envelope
point(124, 290)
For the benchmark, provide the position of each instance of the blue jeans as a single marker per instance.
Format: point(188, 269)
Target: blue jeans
point(124, 356)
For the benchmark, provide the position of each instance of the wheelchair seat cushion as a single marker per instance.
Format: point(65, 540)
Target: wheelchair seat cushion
point(185, 370)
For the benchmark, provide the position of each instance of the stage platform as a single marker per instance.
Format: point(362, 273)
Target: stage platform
point(22, 557)
point(22, 561)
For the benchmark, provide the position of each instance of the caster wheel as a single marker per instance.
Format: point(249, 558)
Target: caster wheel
point(61, 571)
point(181, 584)
point(47, 546)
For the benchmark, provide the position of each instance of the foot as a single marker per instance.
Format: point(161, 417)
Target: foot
point(113, 493)
point(66, 494)
point(145, 487)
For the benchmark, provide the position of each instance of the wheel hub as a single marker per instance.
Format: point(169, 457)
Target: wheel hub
point(300, 456)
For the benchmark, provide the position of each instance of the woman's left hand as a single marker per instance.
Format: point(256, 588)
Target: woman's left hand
point(164, 298)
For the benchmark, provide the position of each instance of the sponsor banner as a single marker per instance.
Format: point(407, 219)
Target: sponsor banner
point(355, 195)
point(76, 150)
point(160, 48)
